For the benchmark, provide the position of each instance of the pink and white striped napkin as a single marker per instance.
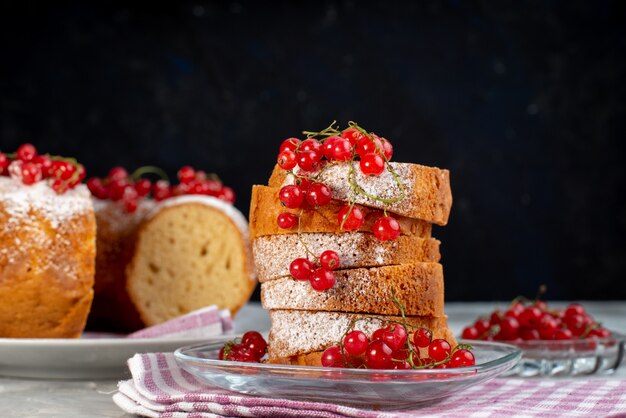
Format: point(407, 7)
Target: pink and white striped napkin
point(205, 322)
point(159, 388)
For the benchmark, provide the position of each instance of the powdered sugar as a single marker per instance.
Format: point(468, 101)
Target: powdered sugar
point(297, 332)
point(19, 200)
point(274, 253)
point(116, 218)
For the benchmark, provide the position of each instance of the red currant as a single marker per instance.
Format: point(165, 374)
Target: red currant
point(341, 150)
point(309, 160)
point(301, 269)
point(26, 152)
point(386, 228)
point(541, 305)
point(378, 356)
point(117, 173)
point(378, 335)
point(4, 162)
point(527, 334)
point(79, 176)
point(130, 205)
point(387, 149)
point(62, 170)
point(97, 188)
point(395, 336)
point(31, 173)
point(355, 343)
point(470, 333)
point(599, 333)
point(287, 220)
point(254, 342)
point(186, 174)
point(44, 162)
point(462, 358)
point(322, 279)
point(495, 317)
point(563, 334)
point(331, 357)
point(367, 145)
point(350, 218)
point(509, 327)
point(530, 316)
point(143, 187)
point(318, 194)
point(328, 146)
point(482, 325)
point(329, 260)
point(439, 349)
point(161, 190)
point(226, 194)
point(291, 196)
point(310, 144)
point(576, 324)
point(287, 160)
point(117, 189)
point(290, 144)
point(353, 135)
point(422, 337)
point(574, 309)
point(372, 164)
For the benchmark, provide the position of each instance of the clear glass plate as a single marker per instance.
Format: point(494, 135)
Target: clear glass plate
point(356, 387)
point(569, 357)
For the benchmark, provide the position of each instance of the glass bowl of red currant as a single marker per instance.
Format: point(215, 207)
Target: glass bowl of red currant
point(246, 373)
point(555, 342)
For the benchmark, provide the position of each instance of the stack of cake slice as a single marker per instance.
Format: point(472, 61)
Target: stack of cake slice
point(371, 272)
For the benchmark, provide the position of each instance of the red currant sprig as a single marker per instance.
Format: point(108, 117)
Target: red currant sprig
point(391, 347)
point(250, 349)
point(129, 190)
point(29, 167)
point(322, 277)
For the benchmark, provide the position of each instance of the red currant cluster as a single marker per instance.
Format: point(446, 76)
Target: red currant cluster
point(27, 166)
point(130, 189)
point(534, 321)
point(310, 156)
point(391, 347)
point(251, 349)
point(372, 151)
point(322, 277)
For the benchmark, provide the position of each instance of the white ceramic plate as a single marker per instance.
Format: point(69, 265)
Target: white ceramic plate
point(100, 358)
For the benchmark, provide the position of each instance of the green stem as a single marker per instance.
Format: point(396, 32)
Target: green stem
point(149, 169)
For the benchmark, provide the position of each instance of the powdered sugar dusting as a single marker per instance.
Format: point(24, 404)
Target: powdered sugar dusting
point(37, 219)
point(18, 200)
point(419, 287)
point(116, 218)
point(297, 332)
point(383, 186)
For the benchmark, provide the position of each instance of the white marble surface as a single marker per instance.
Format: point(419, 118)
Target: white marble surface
point(67, 398)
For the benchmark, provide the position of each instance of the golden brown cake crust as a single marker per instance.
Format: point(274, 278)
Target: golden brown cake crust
point(418, 287)
point(265, 207)
point(46, 267)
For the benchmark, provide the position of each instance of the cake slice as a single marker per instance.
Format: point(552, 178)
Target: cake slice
point(191, 252)
point(418, 287)
point(274, 253)
point(265, 207)
point(299, 333)
point(427, 195)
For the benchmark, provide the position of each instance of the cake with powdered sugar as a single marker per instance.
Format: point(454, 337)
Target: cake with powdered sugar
point(167, 249)
point(47, 246)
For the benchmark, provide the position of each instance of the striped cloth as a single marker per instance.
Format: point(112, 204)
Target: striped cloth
point(159, 388)
point(209, 321)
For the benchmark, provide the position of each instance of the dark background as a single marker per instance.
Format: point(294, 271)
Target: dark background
point(522, 101)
